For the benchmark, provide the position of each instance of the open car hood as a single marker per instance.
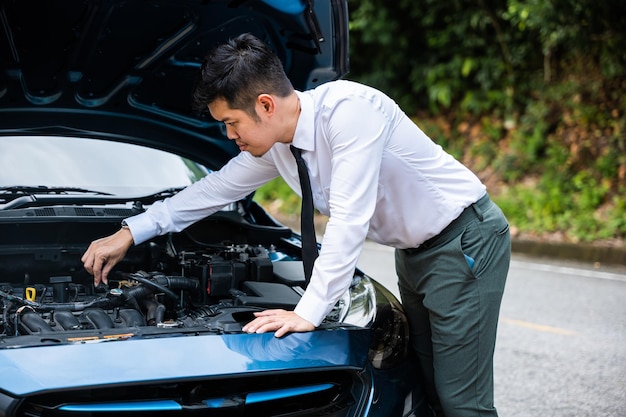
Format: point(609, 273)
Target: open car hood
point(126, 69)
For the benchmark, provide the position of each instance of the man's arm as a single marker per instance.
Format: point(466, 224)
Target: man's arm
point(240, 176)
point(357, 150)
point(356, 157)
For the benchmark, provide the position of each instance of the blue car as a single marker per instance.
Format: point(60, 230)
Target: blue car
point(96, 125)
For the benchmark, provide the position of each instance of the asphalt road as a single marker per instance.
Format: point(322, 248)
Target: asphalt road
point(561, 349)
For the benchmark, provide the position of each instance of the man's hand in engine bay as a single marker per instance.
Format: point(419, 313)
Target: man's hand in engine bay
point(103, 254)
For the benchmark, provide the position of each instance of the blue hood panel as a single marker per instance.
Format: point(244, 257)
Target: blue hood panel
point(97, 364)
point(101, 363)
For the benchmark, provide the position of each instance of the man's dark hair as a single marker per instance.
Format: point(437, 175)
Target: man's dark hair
point(238, 71)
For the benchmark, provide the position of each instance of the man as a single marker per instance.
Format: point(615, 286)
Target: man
point(377, 176)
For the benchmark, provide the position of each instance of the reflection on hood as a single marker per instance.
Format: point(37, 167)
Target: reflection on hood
point(310, 349)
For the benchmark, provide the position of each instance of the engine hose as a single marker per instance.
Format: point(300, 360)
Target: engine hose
point(138, 291)
point(133, 294)
point(155, 312)
point(162, 288)
point(178, 283)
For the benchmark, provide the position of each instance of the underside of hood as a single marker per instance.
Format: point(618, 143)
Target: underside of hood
point(126, 69)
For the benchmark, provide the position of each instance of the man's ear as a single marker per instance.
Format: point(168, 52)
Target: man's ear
point(266, 104)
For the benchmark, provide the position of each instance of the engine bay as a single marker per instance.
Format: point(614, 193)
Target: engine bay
point(210, 277)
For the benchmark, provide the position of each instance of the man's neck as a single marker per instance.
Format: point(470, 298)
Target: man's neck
point(292, 109)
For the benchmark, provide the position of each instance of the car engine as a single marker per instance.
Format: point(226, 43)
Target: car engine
point(195, 280)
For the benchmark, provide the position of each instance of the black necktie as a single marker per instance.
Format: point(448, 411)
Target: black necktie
point(309, 242)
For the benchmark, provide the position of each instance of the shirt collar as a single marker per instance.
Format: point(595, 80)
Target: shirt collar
point(304, 136)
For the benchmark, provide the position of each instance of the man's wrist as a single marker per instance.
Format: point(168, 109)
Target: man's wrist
point(124, 226)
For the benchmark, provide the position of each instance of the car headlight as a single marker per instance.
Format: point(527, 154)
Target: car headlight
point(368, 303)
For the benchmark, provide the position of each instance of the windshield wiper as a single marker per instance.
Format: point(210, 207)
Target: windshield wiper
point(44, 189)
point(30, 196)
point(160, 195)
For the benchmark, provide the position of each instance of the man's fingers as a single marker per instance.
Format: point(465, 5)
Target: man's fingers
point(256, 325)
point(97, 269)
point(105, 272)
point(263, 321)
point(266, 313)
point(283, 330)
point(87, 259)
point(88, 264)
point(279, 321)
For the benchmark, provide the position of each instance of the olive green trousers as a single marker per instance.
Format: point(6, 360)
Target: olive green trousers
point(451, 288)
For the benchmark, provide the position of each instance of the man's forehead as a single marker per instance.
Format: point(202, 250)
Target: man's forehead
point(221, 111)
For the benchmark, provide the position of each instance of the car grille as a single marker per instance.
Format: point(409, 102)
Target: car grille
point(334, 394)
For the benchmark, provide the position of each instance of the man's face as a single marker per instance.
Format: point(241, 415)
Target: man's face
point(253, 135)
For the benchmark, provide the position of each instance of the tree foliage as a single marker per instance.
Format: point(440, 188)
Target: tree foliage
point(481, 54)
point(530, 93)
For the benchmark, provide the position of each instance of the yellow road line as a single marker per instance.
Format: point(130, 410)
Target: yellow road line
point(539, 327)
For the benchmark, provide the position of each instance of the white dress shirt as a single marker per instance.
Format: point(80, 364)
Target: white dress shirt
point(374, 173)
